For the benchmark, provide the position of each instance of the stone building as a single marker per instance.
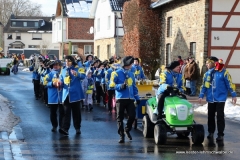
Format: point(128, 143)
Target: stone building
point(1, 36)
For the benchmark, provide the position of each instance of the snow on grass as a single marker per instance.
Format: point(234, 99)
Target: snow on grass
point(231, 111)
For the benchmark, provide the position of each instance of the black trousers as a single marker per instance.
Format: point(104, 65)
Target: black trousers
point(161, 99)
point(45, 95)
point(53, 114)
point(99, 91)
point(122, 105)
point(111, 94)
point(36, 86)
point(212, 109)
point(74, 109)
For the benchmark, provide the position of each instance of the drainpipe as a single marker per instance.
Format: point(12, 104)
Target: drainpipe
point(116, 16)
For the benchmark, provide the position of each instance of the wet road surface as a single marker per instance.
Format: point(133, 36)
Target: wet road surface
point(99, 138)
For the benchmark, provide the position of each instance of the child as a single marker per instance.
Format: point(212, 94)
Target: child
point(88, 87)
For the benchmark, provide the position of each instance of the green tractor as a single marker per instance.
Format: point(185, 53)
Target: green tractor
point(5, 65)
point(177, 119)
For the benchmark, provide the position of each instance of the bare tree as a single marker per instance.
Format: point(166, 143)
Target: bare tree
point(44, 47)
point(18, 8)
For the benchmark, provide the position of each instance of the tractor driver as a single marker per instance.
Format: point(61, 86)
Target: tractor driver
point(169, 78)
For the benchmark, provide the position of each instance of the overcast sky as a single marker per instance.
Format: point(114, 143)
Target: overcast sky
point(48, 6)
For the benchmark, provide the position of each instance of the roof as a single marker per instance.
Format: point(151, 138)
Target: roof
point(117, 5)
point(76, 8)
point(160, 3)
point(46, 27)
point(17, 43)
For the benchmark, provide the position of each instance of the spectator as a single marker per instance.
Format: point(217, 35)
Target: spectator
point(180, 60)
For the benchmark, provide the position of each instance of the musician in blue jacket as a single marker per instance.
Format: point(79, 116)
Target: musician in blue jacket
point(217, 82)
point(169, 78)
point(137, 70)
point(53, 83)
point(71, 77)
point(123, 81)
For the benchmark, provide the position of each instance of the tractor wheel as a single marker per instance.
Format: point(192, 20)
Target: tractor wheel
point(198, 134)
point(160, 134)
point(148, 127)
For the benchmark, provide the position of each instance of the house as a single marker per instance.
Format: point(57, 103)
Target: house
point(29, 35)
point(108, 30)
point(201, 28)
point(71, 27)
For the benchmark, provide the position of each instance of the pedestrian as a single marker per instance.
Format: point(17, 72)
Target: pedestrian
point(53, 83)
point(71, 77)
point(217, 82)
point(192, 75)
point(184, 72)
point(123, 81)
point(88, 88)
point(169, 78)
point(88, 62)
point(180, 61)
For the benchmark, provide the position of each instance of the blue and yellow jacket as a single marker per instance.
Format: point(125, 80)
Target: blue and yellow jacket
point(35, 74)
point(98, 75)
point(169, 78)
point(72, 86)
point(87, 64)
point(138, 72)
point(107, 78)
point(44, 72)
point(120, 77)
point(216, 85)
point(54, 94)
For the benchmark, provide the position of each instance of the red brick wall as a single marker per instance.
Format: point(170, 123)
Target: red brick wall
point(78, 28)
point(142, 33)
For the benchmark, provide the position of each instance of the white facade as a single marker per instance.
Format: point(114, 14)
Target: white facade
point(59, 30)
point(104, 21)
point(27, 39)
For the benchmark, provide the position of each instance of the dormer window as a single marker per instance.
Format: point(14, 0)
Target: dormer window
point(14, 24)
point(24, 24)
point(35, 24)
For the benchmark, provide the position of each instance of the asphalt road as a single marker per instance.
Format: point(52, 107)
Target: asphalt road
point(99, 138)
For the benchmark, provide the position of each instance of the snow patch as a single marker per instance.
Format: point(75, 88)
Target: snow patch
point(231, 111)
point(26, 70)
point(81, 9)
point(7, 119)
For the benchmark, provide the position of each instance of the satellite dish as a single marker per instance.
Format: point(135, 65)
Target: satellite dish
point(91, 30)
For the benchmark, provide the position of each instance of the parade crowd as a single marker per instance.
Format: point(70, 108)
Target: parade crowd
point(68, 85)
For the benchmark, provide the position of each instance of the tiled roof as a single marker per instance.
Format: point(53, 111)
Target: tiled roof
point(46, 27)
point(117, 5)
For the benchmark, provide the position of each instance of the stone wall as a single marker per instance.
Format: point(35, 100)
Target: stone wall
point(103, 48)
point(1, 36)
point(189, 24)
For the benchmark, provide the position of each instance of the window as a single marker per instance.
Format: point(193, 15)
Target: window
point(14, 24)
point(59, 25)
point(109, 22)
point(24, 24)
point(193, 48)
point(35, 24)
point(9, 36)
point(109, 50)
point(18, 36)
point(98, 51)
point(33, 46)
point(169, 27)
point(98, 24)
point(36, 36)
point(87, 49)
point(168, 53)
point(74, 49)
